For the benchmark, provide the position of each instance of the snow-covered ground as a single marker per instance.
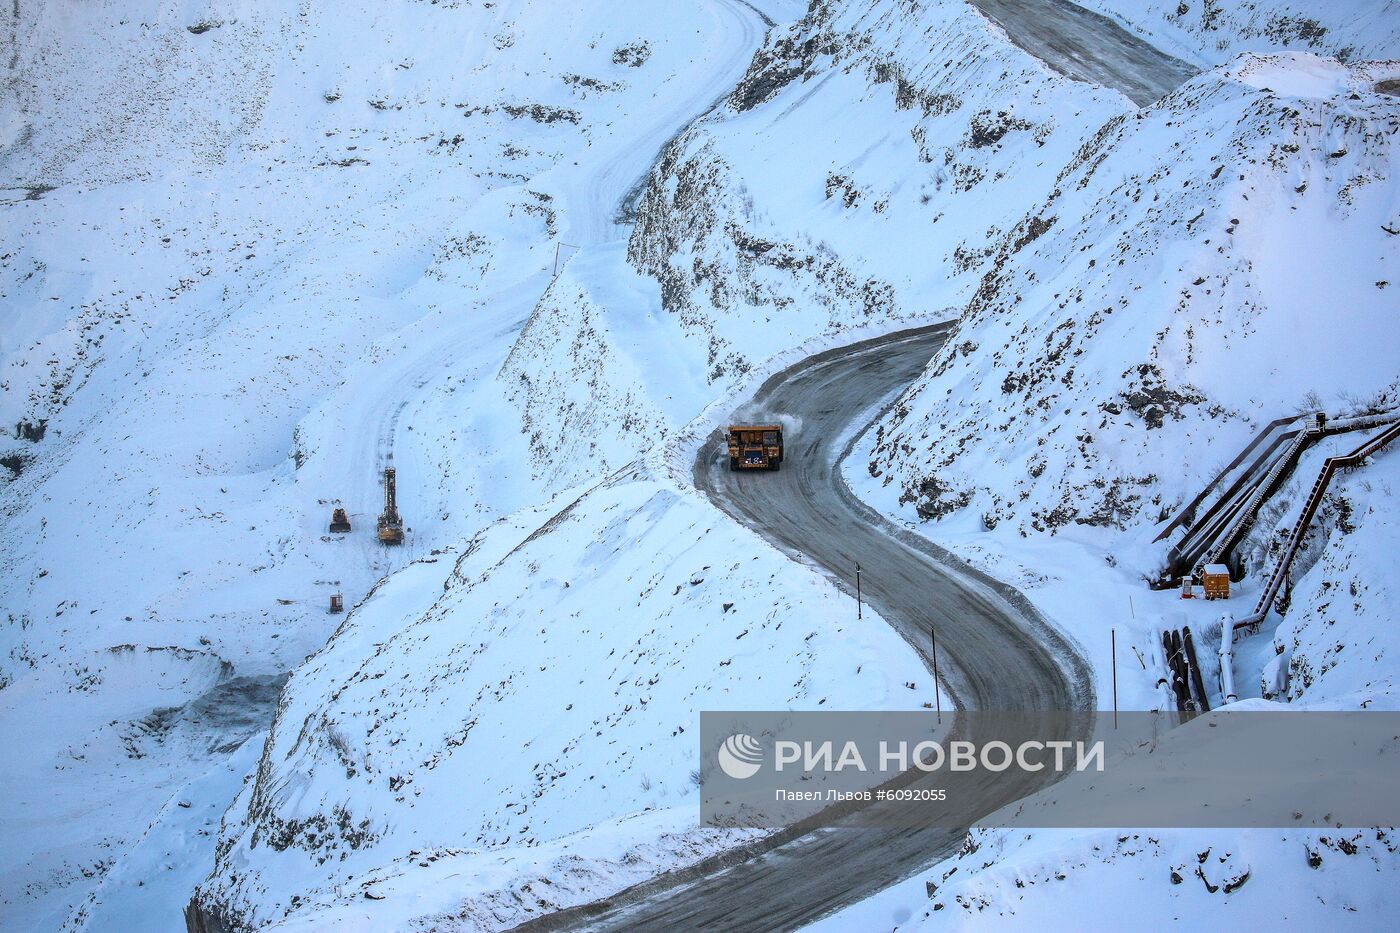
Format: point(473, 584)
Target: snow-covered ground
point(1073, 879)
point(253, 255)
point(525, 716)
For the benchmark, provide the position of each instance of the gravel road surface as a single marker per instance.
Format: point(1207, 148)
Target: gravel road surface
point(1087, 46)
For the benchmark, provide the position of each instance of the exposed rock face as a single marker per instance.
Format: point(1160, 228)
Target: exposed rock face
point(764, 227)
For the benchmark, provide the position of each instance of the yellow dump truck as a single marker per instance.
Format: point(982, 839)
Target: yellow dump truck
point(755, 446)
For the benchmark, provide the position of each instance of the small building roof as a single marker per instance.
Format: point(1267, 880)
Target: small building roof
point(1213, 569)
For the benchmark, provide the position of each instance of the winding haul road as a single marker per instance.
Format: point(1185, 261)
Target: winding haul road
point(1003, 656)
point(997, 653)
point(1088, 46)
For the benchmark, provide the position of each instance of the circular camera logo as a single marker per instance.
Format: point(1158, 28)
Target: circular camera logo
point(740, 756)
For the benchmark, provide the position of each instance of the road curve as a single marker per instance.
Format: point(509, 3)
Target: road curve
point(1088, 46)
point(996, 653)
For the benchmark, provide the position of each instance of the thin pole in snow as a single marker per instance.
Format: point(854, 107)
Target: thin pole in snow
point(1130, 606)
point(558, 246)
point(1113, 650)
point(857, 591)
point(937, 696)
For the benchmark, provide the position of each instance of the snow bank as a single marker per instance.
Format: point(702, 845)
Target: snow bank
point(1066, 880)
point(1305, 76)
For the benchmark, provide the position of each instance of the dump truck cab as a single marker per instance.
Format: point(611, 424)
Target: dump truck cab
point(755, 446)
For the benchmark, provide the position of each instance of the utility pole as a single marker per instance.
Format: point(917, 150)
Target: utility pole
point(857, 591)
point(1113, 650)
point(937, 696)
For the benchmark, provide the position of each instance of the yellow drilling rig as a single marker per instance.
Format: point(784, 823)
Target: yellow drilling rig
point(390, 523)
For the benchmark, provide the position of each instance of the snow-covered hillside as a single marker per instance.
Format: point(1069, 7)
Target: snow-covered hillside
point(527, 716)
point(1143, 321)
point(1216, 260)
point(1214, 31)
point(856, 176)
point(251, 257)
point(253, 254)
point(1338, 645)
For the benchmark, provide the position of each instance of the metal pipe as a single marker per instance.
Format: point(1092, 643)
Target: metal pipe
point(1227, 651)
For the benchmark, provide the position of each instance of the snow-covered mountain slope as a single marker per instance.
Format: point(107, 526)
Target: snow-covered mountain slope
point(766, 210)
point(855, 177)
point(1336, 643)
point(1211, 262)
point(1201, 267)
point(1035, 223)
point(604, 366)
point(1337, 646)
point(252, 256)
point(526, 716)
point(1141, 323)
point(1211, 32)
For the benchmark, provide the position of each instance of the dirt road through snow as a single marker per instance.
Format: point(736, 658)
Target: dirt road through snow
point(995, 651)
point(1088, 46)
